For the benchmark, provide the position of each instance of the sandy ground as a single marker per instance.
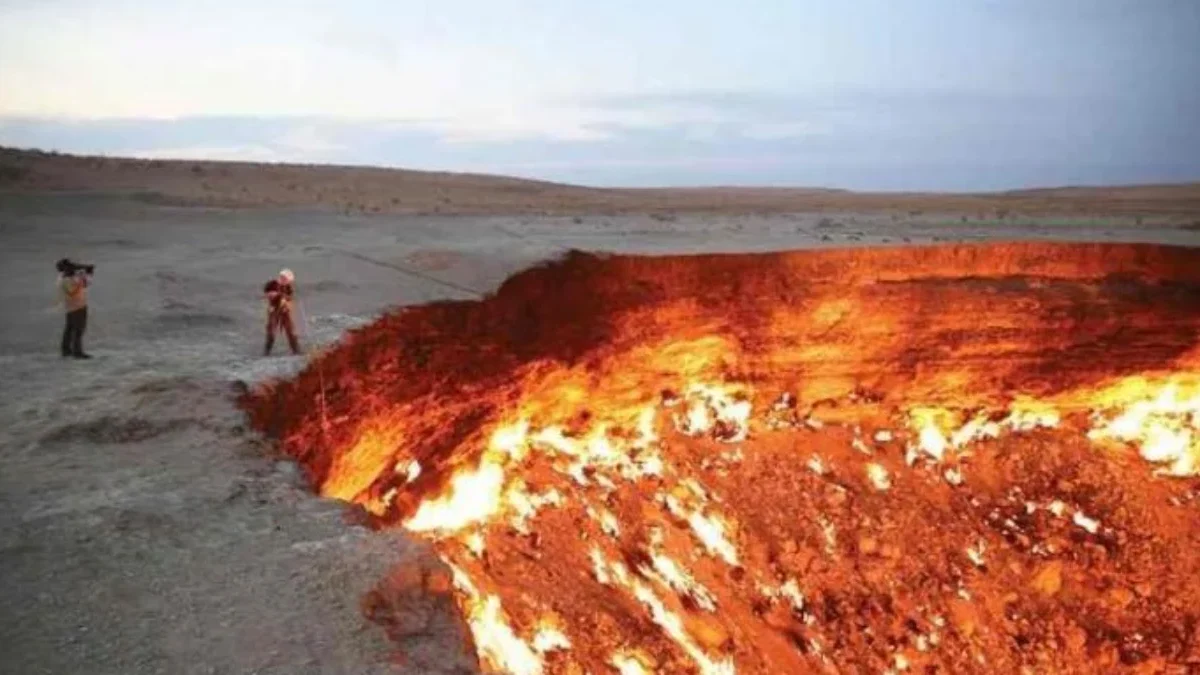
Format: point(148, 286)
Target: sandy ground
point(144, 530)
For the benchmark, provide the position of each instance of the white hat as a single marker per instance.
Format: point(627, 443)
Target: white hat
point(286, 275)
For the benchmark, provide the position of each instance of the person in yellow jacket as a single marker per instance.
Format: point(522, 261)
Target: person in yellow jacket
point(73, 281)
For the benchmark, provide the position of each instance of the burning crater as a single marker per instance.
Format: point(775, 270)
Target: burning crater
point(933, 460)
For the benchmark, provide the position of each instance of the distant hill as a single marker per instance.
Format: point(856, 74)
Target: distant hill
point(381, 190)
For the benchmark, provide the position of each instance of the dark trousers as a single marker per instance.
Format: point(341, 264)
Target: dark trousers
point(72, 338)
point(281, 320)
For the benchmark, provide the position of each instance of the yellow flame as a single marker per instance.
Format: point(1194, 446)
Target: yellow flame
point(1163, 423)
point(667, 620)
point(927, 422)
point(550, 638)
point(878, 476)
point(709, 406)
point(940, 430)
point(475, 543)
point(474, 497)
point(353, 471)
point(525, 506)
point(711, 532)
point(679, 580)
point(1027, 414)
point(791, 591)
point(496, 642)
point(511, 440)
point(627, 664)
point(672, 625)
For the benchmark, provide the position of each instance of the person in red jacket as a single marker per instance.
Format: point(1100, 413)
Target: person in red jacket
point(280, 295)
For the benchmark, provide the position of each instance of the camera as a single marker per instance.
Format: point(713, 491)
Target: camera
point(69, 268)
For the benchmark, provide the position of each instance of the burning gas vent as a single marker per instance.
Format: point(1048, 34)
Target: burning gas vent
point(955, 459)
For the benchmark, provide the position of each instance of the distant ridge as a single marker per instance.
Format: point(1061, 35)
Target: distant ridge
point(359, 189)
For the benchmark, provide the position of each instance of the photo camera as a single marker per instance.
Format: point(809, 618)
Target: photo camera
point(69, 268)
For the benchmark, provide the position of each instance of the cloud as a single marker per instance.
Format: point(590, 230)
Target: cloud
point(233, 153)
point(774, 131)
point(934, 140)
point(509, 127)
point(308, 139)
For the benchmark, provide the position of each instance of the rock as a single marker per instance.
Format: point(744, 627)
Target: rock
point(288, 469)
point(780, 618)
point(1048, 579)
point(405, 578)
point(1153, 666)
point(439, 581)
point(1075, 639)
point(876, 574)
point(1120, 597)
point(1056, 544)
point(800, 561)
point(867, 545)
point(964, 616)
point(707, 632)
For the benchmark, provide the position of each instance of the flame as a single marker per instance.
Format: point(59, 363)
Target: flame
point(681, 582)
point(878, 475)
point(473, 498)
point(628, 664)
point(929, 424)
point(791, 590)
point(411, 470)
point(715, 409)
point(711, 532)
point(496, 641)
point(1028, 414)
point(354, 470)
point(673, 626)
point(1090, 524)
point(550, 638)
point(1162, 421)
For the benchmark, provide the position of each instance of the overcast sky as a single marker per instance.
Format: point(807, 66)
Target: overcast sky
point(866, 94)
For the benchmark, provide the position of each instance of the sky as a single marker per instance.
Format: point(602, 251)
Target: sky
point(953, 95)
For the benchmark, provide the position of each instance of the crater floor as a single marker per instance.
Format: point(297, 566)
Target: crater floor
point(958, 458)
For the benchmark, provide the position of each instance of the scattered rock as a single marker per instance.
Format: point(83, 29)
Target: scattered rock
point(1048, 579)
point(706, 631)
point(867, 545)
point(964, 616)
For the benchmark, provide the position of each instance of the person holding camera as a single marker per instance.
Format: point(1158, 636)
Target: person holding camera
point(73, 281)
point(280, 294)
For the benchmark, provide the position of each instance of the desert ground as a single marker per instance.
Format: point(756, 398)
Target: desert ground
point(145, 529)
